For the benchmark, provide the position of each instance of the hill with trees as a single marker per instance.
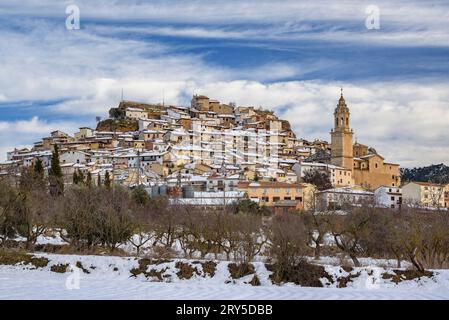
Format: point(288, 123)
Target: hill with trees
point(436, 173)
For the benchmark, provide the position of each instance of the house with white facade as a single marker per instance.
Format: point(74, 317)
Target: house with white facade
point(136, 113)
point(74, 156)
point(338, 198)
point(388, 197)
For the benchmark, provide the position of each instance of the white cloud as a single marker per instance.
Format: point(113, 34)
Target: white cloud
point(402, 22)
point(87, 69)
point(403, 121)
point(22, 133)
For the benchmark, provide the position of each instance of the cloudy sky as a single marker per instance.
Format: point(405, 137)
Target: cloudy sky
point(289, 56)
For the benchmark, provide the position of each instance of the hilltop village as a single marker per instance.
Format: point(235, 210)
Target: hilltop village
point(210, 153)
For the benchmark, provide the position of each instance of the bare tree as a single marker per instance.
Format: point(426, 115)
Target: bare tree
point(348, 231)
point(10, 203)
point(143, 228)
point(165, 221)
point(288, 244)
point(115, 217)
point(252, 239)
point(316, 226)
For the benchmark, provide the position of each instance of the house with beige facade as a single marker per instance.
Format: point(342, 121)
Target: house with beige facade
point(269, 193)
point(425, 194)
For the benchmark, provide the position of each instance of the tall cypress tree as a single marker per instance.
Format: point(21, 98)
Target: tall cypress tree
point(107, 180)
point(89, 179)
point(75, 177)
point(80, 177)
point(55, 174)
point(39, 168)
point(99, 180)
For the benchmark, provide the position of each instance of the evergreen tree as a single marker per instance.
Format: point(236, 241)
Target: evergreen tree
point(99, 180)
point(107, 180)
point(80, 177)
point(140, 195)
point(75, 178)
point(89, 179)
point(55, 174)
point(321, 179)
point(256, 176)
point(39, 169)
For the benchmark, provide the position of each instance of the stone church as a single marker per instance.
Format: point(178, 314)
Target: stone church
point(369, 169)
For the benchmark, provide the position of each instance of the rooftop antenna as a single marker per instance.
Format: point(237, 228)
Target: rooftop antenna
point(163, 97)
point(122, 95)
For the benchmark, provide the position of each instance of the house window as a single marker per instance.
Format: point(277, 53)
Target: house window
point(392, 198)
point(275, 199)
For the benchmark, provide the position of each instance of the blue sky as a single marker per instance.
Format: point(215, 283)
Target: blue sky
point(291, 57)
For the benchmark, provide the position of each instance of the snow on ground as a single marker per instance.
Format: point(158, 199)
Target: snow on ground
point(109, 278)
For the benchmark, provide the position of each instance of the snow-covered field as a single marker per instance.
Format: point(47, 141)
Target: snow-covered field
point(109, 278)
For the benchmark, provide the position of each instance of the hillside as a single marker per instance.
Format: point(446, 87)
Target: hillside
point(120, 125)
point(437, 173)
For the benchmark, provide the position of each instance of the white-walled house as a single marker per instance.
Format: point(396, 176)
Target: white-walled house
point(136, 113)
point(219, 183)
point(74, 156)
point(388, 197)
point(338, 198)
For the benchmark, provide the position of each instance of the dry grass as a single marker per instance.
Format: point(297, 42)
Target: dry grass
point(240, 270)
point(14, 257)
point(186, 271)
point(403, 275)
point(59, 268)
point(304, 274)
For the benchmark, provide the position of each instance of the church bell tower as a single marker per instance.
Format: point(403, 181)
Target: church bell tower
point(341, 136)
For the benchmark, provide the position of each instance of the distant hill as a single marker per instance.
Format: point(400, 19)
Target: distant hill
point(436, 173)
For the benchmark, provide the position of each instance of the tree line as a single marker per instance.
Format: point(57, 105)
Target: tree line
point(91, 216)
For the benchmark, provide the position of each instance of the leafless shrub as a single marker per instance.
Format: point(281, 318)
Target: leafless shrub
point(288, 244)
point(348, 231)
